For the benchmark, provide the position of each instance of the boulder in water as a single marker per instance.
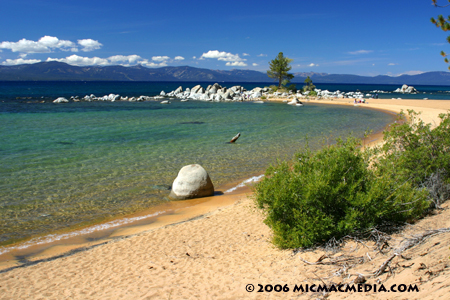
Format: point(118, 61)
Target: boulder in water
point(192, 182)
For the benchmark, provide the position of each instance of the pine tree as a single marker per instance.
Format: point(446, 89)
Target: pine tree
point(279, 68)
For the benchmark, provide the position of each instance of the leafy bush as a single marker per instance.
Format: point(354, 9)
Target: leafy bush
point(332, 193)
point(412, 150)
point(274, 88)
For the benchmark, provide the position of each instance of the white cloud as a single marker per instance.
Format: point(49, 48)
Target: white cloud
point(311, 65)
point(160, 58)
point(20, 61)
point(262, 55)
point(82, 61)
point(179, 58)
point(89, 45)
point(44, 45)
point(255, 64)
point(230, 58)
point(391, 64)
point(236, 64)
point(223, 56)
point(47, 44)
point(194, 57)
point(130, 59)
point(153, 65)
point(360, 52)
point(245, 54)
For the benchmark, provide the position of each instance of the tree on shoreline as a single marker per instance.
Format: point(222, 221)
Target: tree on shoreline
point(309, 86)
point(444, 24)
point(279, 68)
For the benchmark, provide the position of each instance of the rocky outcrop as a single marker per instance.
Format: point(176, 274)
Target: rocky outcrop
point(406, 90)
point(192, 182)
point(217, 93)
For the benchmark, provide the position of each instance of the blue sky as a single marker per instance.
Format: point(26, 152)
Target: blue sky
point(378, 37)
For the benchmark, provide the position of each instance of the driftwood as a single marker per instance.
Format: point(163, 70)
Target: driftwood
point(345, 262)
point(409, 243)
point(235, 138)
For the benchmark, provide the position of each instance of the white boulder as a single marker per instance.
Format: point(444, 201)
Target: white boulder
point(192, 182)
point(61, 100)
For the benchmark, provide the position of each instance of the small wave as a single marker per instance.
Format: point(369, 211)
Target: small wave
point(57, 237)
point(242, 184)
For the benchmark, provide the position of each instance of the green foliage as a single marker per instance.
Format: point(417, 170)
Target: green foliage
point(415, 152)
point(292, 87)
point(332, 193)
point(279, 68)
point(274, 88)
point(312, 94)
point(444, 24)
point(309, 86)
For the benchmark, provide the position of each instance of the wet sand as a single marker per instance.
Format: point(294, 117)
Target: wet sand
point(214, 249)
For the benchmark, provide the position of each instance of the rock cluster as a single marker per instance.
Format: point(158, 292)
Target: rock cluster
point(217, 93)
point(406, 90)
point(114, 97)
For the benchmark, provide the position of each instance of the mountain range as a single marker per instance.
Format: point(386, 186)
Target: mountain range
point(58, 71)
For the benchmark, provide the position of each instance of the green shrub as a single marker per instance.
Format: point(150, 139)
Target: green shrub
point(332, 193)
point(412, 150)
point(274, 88)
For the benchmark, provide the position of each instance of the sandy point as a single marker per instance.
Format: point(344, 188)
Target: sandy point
point(222, 252)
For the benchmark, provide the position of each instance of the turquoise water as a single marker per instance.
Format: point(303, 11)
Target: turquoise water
point(67, 165)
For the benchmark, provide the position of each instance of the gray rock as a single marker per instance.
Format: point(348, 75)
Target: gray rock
point(192, 182)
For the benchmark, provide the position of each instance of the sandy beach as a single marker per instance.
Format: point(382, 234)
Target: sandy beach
point(220, 248)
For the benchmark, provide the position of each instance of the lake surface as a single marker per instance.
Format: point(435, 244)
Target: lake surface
point(67, 165)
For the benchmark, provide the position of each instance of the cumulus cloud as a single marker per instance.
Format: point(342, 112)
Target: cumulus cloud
point(223, 56)
point(45, 44)
point(19, 61)
point(230, 58)
point(123, 60)
point(89, 45)
point(245, 54)
point(360, 52)
point(130, 59)
point(160, 58)
point(312, 65)
point(154, 65)
point(179, 58)
point(236, 64)
point(255, 64)
point(82, 61)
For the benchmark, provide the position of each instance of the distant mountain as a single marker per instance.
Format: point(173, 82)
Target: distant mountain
point(57, 71)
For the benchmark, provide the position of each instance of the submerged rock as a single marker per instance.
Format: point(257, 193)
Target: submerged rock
point(192, 182)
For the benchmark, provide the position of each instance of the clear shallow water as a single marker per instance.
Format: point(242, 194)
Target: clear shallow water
point(72, 164)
